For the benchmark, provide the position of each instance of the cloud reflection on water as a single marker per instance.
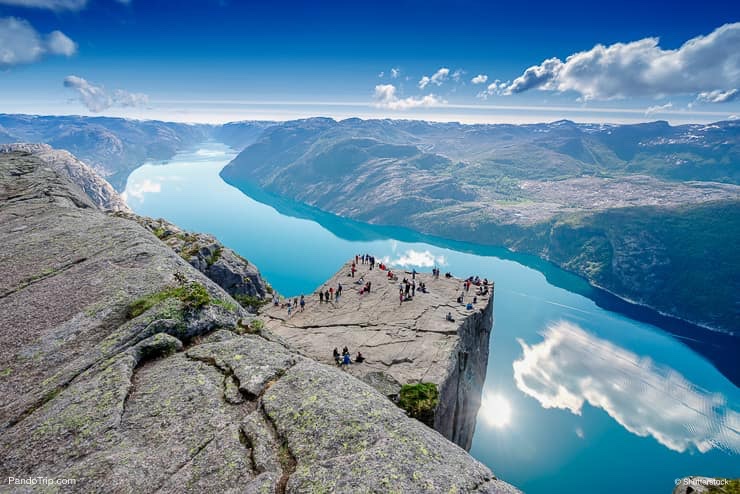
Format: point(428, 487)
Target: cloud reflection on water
point(137, 190)
point(572, 366)
point(412, 257)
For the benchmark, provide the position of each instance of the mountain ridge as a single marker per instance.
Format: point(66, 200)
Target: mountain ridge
point(577, 208)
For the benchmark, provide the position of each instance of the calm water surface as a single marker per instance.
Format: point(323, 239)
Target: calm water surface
point(577, 397)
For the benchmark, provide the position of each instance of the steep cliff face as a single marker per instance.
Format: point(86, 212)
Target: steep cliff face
point(127, 369)
point(460, 392)
point(403, 343)
point(96, 188)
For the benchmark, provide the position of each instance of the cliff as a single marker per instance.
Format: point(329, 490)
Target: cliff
point(96, 188)
point(403, 343)
point(646, 212)
point(127, 369)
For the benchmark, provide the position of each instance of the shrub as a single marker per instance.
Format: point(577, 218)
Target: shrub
point(251, 303)
point(420, 401)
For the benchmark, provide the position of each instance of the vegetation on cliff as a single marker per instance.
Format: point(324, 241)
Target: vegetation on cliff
point(420, 401)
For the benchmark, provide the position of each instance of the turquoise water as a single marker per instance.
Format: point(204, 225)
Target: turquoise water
point(577, 397)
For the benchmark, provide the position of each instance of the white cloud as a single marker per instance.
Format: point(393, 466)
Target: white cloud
point(97, 99)
point(437, 78)
point(642, 68)
point(126, 99)
point(418, 259)
point(20, 43)
point(47, 4)
point(385, 97)
point(394, 73)
point(59, 43)
point(495, 88)
point(658, 108)
point(457, 75)
point(718, 96)
point(571, 367)
point(479, 79)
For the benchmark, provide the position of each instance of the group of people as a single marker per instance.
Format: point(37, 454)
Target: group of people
point(365, 259)
point(407, 290)
point(365, 288)
point(482, 290)
point(294, 304)
point(345, 359)
point(331, 294)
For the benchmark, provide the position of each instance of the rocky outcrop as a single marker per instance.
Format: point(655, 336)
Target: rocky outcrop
point(96, 188)
point(205, 253)
point(403, 343)
point(128, 370)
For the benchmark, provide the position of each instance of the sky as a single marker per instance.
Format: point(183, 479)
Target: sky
point(467, 61)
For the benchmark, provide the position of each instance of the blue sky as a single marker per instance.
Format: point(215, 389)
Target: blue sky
point(213, 60)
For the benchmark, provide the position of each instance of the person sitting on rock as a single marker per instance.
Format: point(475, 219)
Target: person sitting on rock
point(449, 317)
point(448, 275)
point(337, 359)
point(460, 299)
point(469, 306)
point(359, 358)
point(346, 360)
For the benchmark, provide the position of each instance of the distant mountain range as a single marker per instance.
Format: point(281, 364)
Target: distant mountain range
point(114, 147)
point(649, 211)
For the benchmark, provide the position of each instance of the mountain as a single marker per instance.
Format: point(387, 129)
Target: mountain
point(127, 365)
point(646, 211)
point(239, 135)
point(113, 147)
